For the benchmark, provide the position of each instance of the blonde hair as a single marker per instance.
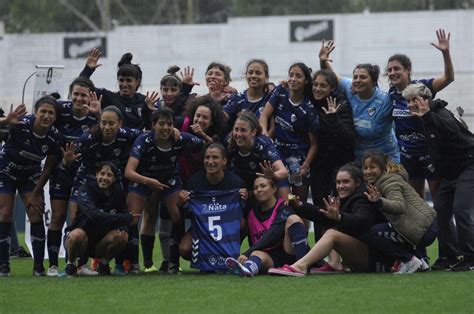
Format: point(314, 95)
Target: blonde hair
point(415, 90)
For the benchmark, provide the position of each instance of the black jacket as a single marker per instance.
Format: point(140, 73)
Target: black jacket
point(100, 213)
point(451, 144)
point(357, 214)
point(336, 135)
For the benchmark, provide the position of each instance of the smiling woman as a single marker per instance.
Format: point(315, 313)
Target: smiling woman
point(32, 138)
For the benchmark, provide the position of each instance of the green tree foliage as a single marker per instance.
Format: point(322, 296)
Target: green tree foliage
point(74, 16)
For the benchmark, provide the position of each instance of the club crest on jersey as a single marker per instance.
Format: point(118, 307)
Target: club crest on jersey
point(44, 148)
point(85, 128)
point(172, 182)
point(293, 117)
point(371, 111)
point(173, 159)
point(117, 151)
point(127, 109)
point(253, 165)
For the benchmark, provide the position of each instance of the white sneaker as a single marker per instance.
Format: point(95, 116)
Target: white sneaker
point(236, 268)
point(84, 270)
point(424, 265)
point(53, 271)
point(409, 267)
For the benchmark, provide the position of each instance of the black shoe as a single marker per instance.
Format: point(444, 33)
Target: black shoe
point(39, 271)
point(465, 265)
point(103, 269)
point(164, 267)
point(20, 253)
point(70, 270)
point(4, 270)
point(445, 263)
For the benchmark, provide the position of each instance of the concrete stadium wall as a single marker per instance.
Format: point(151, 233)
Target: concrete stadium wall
point(359, 38)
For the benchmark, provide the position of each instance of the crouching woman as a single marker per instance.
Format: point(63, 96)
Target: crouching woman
point(100, 229)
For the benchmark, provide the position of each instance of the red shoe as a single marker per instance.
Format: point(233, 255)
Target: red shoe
point(395, 267)
point(325, 269)
point(286, 270)
point(127, 265)
point(94, 264)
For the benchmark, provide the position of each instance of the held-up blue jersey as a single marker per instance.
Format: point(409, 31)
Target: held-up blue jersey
point(24, 149)
point(70, 126)
point(215, 228)
point(373, 122)
point(240, 102)
point(93, 152)
point(292, 123)
point(246, 166)
point(159, 163)
point(409, 129)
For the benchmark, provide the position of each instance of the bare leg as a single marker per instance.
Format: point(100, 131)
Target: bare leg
point(185, 246)
point(353, 252)
point(76, 244)
point(111, 245)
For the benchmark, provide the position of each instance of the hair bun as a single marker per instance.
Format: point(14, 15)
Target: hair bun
point(173, 69)
point(126, 59)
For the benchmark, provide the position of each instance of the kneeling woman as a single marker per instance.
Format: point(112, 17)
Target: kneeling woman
point(352, 215)
point(101, 224)
point(277, 236)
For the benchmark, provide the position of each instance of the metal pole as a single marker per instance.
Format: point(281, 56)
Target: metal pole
point(24, 86)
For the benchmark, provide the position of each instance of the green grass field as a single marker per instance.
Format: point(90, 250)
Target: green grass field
point(432, 292)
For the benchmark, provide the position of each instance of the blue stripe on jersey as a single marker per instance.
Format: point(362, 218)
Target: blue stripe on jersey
point(409, 129)
point(71, 127)
point(158, 163)
point(215, 228)
point(246, 166)
point(292, 123)
point(25, 149)
point(240, 102)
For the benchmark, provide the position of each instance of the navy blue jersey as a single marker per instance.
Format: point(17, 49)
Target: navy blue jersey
point(215, 228)
point(292, 122)
point(25, 149)
point(159, 163)
point(246, 166)
point(93, 152)
point(70, 126)
point(240, 102)
point(408, 128)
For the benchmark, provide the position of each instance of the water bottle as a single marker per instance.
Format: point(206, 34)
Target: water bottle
point(295, 177)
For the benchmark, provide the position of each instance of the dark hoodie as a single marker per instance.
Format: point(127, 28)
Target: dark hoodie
point(450, 143)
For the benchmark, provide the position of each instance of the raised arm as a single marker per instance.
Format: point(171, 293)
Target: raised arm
point(443, 45)
point(91, 62)
point(324, 56)
point(14, 116)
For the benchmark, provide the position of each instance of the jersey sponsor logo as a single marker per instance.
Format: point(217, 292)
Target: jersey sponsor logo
point(366, 124)
point(216, 260)
point(214, 207)
point(127, 109)
point(402, 113)
point(284, 125)
point(31, 156)
point(293, 117)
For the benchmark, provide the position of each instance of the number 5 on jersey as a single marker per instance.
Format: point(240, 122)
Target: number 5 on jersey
point(211, 220)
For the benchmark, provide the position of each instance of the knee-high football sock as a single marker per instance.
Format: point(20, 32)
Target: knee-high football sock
point(38, 240)
point(54, 244)
point(148, 243)
point(254, 264)
point(4, 242)
point(297, 233)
